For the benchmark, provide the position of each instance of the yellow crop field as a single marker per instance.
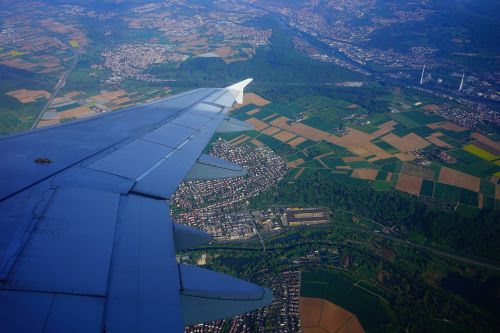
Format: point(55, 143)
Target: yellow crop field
point(15, 53)
point(74, 43)
point(480, 152)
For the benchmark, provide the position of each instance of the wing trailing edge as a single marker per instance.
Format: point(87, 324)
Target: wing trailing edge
point(210, 167)
point(208, 295)
point(232, 125)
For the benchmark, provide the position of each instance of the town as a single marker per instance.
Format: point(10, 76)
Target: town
point(217, 206)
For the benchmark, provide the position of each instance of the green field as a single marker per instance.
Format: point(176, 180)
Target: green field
point(385, 146)
point(359, 164)
point(289, 111)
point(333, 162)
point(407, 122)
point(422, 118)
point(427, 188)
point(262, 114)
point(367, 128)
point(361, 299)
point(468, 197)
point(447, 192)
point(318, 123)
point(422, 131)
point(382, 185)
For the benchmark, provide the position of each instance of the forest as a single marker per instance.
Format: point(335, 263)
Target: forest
point(467, 231)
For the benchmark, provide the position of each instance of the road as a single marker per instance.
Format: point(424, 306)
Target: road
point(60, 84)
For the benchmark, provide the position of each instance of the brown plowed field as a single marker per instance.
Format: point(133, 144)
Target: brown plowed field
point(448, 126)
point(258, 124)
point(365, 173)
point(460, 179)
point(434, 138)
point(318, 315)
point(406, 143)
point(409, 184)
point(271, 130)
point(297, 141)
point(284, 136)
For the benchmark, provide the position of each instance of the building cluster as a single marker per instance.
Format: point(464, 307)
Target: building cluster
point(217, 206)
point(250, 35)
point(305, 216)
point(175, 27)
point(480, 114)
point(289, 299)
point(75, 10)
point(131, 60)
point(282, 316)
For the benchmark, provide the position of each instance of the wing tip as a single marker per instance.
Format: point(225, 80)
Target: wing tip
point(237, 89)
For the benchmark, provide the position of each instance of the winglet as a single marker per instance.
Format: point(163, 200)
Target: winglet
point(237, 90)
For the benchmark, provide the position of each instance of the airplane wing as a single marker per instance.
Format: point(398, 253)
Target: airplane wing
point(87, 243)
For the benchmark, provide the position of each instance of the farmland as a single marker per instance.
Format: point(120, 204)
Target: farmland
point(385, 151)
point(356, 297)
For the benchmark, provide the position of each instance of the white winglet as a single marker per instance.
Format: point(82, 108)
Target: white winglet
point(237, 90)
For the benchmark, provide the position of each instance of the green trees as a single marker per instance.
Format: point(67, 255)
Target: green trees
point(472, 234)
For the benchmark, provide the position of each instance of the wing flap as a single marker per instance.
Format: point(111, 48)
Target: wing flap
point(186, 237)
point(218, 296)
point(232, 125)
point(69, 250)
point(209, 167)
point(144, 281)
point(22, 311)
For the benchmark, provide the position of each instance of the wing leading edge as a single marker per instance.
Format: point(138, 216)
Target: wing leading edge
point(86, 241)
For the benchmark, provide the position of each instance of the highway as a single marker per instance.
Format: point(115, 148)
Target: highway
point(60, 84)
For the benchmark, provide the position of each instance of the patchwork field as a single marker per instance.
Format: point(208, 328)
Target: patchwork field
point(384, 153)
point(75, 105)
point(28, 96)
point(347, 300)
